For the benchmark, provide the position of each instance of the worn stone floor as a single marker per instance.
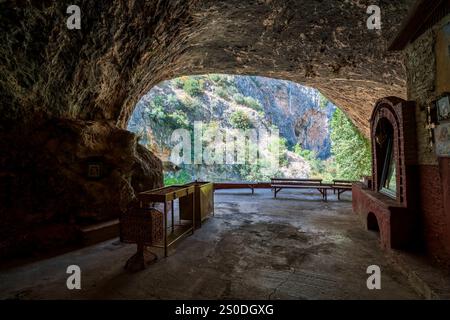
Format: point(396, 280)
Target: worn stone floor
point(255, 247)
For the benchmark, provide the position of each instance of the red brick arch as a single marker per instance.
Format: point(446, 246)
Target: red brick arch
point(396, 218)
point(386, 109)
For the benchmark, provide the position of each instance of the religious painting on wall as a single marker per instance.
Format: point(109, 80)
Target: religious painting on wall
point(442, 136)
point(443, 108)
point(94, 168)
point(94, 171)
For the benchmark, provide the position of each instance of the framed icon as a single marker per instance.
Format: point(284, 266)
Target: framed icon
point(442, 137)
point(94, 171)
point(443, 108)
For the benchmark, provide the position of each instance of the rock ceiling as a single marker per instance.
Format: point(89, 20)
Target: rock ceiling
point(126, 47)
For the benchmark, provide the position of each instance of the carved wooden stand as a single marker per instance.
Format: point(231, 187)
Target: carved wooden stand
point(143, 227)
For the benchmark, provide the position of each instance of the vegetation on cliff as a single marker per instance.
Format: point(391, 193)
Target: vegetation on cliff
point(315, 138)
point(351, 150)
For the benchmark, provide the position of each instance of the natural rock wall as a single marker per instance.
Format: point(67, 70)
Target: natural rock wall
point(296, 110)
point(46, 178)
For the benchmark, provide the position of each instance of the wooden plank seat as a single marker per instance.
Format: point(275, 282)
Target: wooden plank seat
point(341, 186)
point(279, 184)
point(242, 185)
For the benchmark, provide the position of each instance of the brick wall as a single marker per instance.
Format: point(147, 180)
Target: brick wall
point(434, 177)
point(432, 207)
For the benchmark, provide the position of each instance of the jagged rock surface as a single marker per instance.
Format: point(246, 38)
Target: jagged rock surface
point(47, 181)
point(126, 47)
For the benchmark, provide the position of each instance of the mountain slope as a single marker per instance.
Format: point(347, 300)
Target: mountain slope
point(298, 112)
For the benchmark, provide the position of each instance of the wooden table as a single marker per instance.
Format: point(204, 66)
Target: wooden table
point(204, 202)
point(167, 195)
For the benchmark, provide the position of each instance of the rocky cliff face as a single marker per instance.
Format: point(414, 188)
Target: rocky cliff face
point(294, 109)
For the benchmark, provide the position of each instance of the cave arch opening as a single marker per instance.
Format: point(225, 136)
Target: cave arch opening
point(297, 119)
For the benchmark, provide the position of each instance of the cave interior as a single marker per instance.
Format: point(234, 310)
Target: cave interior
point(69, 169)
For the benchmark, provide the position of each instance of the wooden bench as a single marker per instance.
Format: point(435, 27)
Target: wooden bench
point(341, 186)
point(242, 185)
point(279, 184)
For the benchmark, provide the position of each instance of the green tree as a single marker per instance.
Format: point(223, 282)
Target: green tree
point(351, 150)
point(240, 120)
point(157, 109)
point(323, 101)
point(318, 167)
point(222, 92)
point(177, 120)
point(180, 177)
point(193, 86)
point(253, 103)
point(215, 77)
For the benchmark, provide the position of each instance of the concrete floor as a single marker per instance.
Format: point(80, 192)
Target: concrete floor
point(255, 247)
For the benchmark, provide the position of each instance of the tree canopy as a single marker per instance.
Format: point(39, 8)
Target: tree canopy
point(350, 148)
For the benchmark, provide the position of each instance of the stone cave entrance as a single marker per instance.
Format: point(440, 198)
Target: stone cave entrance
point(217, 104)
point(292, 237)
point(72, 160)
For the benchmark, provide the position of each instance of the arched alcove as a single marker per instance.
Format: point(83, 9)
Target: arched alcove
point(392, 200)
point(372, 223)
point(392, 166)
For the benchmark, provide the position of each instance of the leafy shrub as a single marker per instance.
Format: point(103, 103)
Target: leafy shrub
point(191, 104)
point(224, 81)
point(239, 98)
point(318, 167)
point(247, 101)
point(193, 86)
point(222, 92)
point(232, 90)
point(179, 83)
point(304, 153)
point(253, 103)
point(215, 77)
point(178, 119)
point(172, 101)
point(179, 177)
point(157, 109)
point(323, 101)
point(158, 101)
point(240, 120)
